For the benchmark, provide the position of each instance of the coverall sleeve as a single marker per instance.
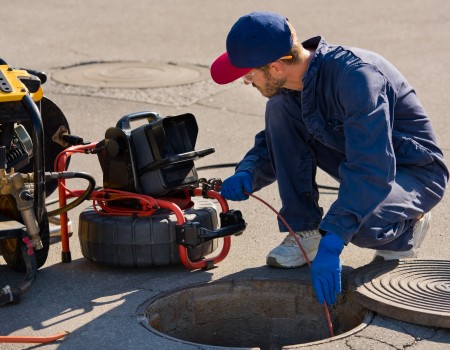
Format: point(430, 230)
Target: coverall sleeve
point(257, 162)
point(366, 174)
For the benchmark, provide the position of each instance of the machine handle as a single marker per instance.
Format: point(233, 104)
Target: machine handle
point(182, 157)
point(192, 234)
point(124, 122)
point(233, 230)
point(41, 75)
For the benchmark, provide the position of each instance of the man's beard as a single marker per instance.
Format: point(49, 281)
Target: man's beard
point(272, 85)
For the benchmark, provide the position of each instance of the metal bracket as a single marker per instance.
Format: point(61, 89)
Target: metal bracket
point(5, 86)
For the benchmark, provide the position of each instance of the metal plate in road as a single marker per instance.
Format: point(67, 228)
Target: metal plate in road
point(410, 290)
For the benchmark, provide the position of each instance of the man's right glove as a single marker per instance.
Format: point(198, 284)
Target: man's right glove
point(233, 187)
point(326, 269)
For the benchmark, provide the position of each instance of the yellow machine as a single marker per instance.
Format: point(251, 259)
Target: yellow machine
point(24, 227)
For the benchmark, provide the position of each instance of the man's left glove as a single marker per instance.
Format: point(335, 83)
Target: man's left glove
point(326, 269)
point(233, 187)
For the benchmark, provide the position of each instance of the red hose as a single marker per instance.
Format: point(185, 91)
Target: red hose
point(224, 206)
point(173, 207)
point(26, 339)
point(183, 251)
point(60, 165)
point(291, 232)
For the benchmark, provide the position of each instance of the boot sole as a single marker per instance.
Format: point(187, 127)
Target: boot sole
point(272, 262)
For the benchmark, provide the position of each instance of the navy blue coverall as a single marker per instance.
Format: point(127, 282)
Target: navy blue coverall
point(358, 119)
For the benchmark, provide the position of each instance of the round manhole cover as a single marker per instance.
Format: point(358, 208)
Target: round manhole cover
point(264, 314)
point(410, 290)
point(130, 74)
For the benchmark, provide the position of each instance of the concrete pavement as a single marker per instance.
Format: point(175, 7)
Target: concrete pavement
point(97, 304)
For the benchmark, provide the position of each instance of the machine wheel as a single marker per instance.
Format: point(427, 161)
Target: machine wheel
point(142, 241)
point(10, 248)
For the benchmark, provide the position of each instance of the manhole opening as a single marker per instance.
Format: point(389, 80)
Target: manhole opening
point(265, 314)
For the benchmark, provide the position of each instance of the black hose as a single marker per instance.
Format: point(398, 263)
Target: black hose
point(233, 165)
point(37, 137)
point(217, 166)
point(10, 294)
point(71, 175)
point(52, 201)
point(31, 269)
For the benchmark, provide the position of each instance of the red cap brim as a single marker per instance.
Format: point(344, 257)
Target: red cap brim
point(223, 72)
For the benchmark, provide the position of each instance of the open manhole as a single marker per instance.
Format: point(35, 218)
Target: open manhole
point(410, 290)
point(265, 314)
point(130, 74)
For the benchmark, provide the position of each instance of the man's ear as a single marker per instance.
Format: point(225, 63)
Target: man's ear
point(277, 67)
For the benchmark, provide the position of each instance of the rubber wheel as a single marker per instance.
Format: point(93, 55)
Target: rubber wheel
point(10, 248)
point(142, 241)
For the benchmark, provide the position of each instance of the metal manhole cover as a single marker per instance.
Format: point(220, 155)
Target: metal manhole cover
point(130, 74)
point(410, 290)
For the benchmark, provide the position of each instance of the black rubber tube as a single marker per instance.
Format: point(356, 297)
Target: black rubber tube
point(233, 165)
point(10, 294)
point(38, 156)
point(79, 200)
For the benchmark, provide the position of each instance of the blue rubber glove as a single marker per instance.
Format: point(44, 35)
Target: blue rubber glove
point(233, 187)
point(326, 269)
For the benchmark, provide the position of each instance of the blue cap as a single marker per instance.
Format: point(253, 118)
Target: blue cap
point(254, 40)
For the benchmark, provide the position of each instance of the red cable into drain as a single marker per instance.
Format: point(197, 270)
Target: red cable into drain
point(327, 313)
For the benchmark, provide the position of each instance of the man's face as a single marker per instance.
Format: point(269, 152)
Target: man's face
point(266, 84)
